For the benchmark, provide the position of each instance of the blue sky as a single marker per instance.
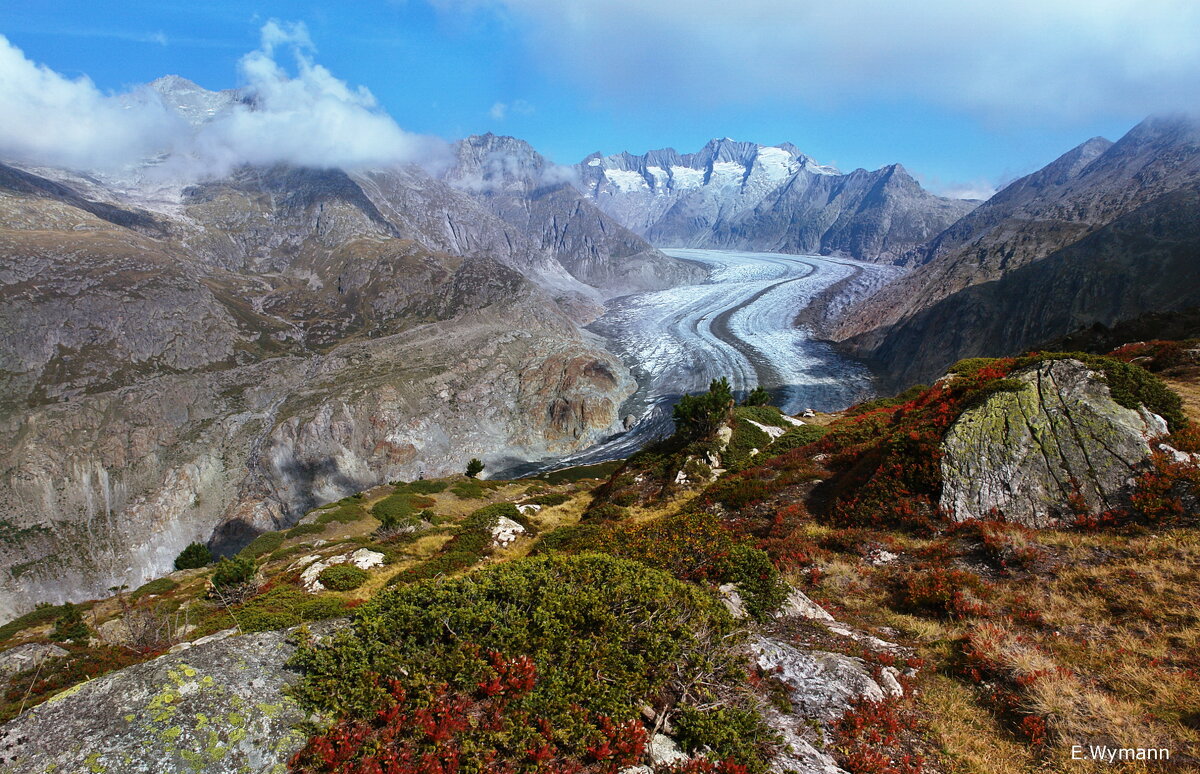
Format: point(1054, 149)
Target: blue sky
point(964, 98)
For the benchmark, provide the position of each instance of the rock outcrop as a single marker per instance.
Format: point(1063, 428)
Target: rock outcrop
point(215, 708)
point(1030, 455)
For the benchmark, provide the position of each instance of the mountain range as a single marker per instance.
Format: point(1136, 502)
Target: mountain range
point(743, 196)
point(1106, 234)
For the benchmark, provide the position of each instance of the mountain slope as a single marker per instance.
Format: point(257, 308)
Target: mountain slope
point(738, 195)
point(1113, 222)
point(536, 198)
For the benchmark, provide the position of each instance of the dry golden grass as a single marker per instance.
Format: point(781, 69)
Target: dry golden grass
point(969, 738)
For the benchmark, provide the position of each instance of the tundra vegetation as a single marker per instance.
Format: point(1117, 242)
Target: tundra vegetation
point(602, 623)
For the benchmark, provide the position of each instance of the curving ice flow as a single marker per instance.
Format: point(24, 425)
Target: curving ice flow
point(738, 323)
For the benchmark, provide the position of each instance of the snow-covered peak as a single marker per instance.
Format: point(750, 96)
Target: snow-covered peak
point(195, 103)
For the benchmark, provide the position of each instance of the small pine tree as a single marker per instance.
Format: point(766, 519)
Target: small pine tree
point(697, 416)
point(758, 397)
point(70, 625)
point(194, 556)
point(230, 573)
point(474, 467)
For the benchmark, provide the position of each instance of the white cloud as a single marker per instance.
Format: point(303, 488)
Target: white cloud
point(1006, 60)
point(307, 117)
point(500, 110)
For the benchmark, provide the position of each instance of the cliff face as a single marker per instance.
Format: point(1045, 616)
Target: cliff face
point(742, 196)
point(220, 363)
point(1106, 233)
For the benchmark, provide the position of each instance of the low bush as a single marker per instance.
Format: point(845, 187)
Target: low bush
point(69, 625)
point(942, 591)
point(300, 530)
point(727, 733)
point(343, 577)
point(196, 555)
point(44, 613)
point(234, 572)
point(471, 542)
point(156, 586)
point(283, 607)
point(347, 511)
point(468, 490)
point(575, 646)
point(572, 538)
point(548, 499)
point(263, 544)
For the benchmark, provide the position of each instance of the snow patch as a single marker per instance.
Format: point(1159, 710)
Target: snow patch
point(625, 180)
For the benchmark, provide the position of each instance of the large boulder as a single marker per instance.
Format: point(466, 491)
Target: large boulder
point(1038, 454)
point(216, 708)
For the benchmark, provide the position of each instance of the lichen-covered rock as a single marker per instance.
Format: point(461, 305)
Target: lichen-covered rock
point(217, 708)
point(1029, 454)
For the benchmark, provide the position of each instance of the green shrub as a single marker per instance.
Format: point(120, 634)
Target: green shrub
point(427, 486)
point(286, 551)
point(745, 439)
point(301, 530)
point(795, 438)
point(283, 607)
point(156, 586)
point(549, 499)
point(395, 510)
point(606, 637)
point(263, 544)
point(196, 555)
point(757, 397)
point(69, 625)
point(343, 577)
point(726, 733)
point(574, 538)
point(42, 614)
point(347, 512)
point(468, 490)
point(606, 512)
point(699, 416)
point(234, 572)
point(470, 543)
point(474, 467)
point(322, 607)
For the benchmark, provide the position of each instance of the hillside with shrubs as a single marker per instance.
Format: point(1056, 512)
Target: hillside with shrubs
point(756, 593)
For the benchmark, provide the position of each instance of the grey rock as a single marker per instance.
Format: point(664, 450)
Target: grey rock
point(1022, 454)
point(797, 604)
point(217, 708)
point(27, 656)
point(821, 685)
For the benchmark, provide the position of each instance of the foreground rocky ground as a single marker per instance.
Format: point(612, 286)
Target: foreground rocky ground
point(973, 577)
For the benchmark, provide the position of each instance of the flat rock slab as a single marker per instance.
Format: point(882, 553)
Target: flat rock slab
point(216, 708)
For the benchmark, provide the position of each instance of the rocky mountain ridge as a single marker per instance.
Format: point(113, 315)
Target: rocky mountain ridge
point(1104, 234)
point(743, 196)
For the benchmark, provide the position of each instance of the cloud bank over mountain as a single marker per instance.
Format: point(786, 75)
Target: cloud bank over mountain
point(1007, 61)
point(302, 115)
